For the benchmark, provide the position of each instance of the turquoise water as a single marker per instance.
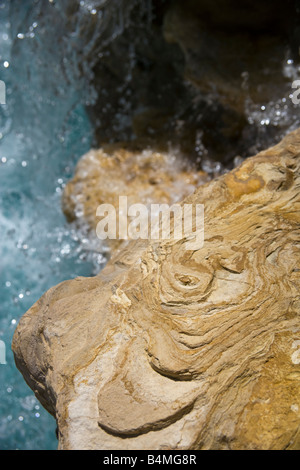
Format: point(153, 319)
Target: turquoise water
point(47, 52)
point(43, 131)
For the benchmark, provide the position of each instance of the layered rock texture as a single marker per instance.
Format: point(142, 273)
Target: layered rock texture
point(175, 349)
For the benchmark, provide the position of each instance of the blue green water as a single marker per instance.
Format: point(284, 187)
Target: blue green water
point(43, 131)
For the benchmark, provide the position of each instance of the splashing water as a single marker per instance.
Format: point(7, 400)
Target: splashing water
point(44, 129)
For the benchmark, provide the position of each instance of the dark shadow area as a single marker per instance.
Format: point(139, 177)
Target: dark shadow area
point(196, 76)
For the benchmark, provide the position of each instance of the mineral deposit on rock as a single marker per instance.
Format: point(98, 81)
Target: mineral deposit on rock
point(175, 349)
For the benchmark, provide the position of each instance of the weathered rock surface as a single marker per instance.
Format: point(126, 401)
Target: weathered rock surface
point(144, 176)
point(174, 349)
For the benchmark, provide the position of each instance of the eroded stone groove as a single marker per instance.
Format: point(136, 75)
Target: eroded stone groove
point(210, 337)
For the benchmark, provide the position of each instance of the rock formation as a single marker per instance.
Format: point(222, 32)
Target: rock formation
point(175, 349)
point(144, 176)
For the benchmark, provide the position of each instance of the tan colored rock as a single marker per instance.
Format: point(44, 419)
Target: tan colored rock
point(144, 176)
point(174, 349)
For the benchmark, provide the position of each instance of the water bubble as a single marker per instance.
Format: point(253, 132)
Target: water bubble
point(210, 166)
point(28, 403)
point(65, 249)
point(238, 160)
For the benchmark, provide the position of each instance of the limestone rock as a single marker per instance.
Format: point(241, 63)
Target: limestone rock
point(145, 177)
point(174, 349)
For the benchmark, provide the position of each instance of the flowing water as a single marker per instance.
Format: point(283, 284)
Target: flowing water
point(44, 130)
point(46, 62)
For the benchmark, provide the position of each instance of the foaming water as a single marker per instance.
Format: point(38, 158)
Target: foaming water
point(44, 130)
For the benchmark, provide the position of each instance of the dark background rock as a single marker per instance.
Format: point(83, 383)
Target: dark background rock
point(184, 73)
point(189, 75)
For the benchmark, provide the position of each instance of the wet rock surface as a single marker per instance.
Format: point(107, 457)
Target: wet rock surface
point(175, 349)
point(222, 62)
